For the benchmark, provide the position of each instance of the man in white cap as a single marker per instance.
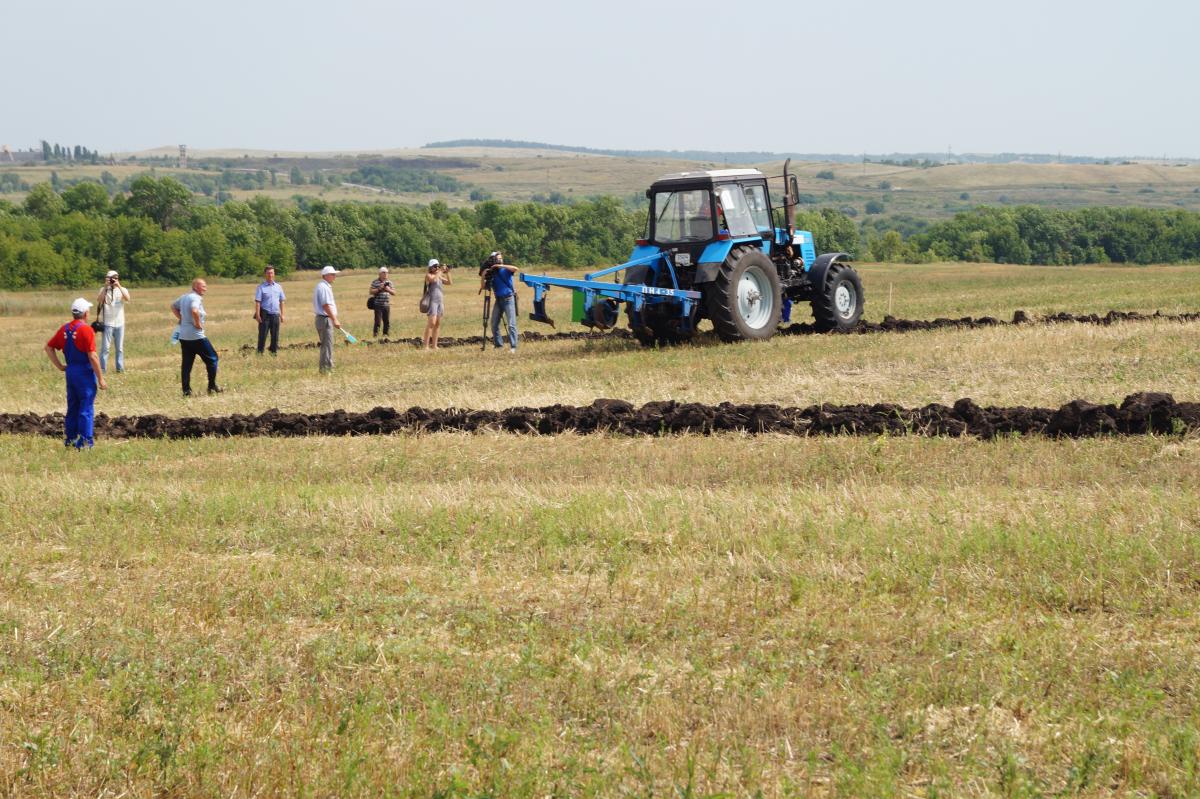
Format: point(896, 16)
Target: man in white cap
point(111, 311)
point(77, 342)
point(325, 311)
point(382, 290)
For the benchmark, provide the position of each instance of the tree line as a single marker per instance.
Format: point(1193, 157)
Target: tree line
point(1048, 236)
point(57, 152)
point(159, 231)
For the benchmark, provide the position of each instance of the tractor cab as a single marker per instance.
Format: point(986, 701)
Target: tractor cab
point(691, 209)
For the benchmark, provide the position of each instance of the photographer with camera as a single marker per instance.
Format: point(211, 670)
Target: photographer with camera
point(381, 292)
point(111, 315)
point(497, 277)
point(436, 276)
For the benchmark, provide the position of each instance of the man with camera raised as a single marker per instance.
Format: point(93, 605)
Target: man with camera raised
point(497, 277)
point(111, 316)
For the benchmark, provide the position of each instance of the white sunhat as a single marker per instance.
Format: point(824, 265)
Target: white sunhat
point(80, 305)
point(383, 269)
point(329, 270)
point(112, 273)
point(434, 262)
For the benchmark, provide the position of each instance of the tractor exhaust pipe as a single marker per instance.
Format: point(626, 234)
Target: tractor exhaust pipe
point(791, 194)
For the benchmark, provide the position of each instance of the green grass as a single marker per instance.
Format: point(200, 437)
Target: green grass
point(496, 615)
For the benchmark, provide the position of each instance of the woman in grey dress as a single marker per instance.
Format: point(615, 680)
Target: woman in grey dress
point(436, 277)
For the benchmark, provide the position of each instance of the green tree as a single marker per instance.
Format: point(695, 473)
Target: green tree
point(87, 198)
point(890, 248)
point(164, 200)
point(43, 202)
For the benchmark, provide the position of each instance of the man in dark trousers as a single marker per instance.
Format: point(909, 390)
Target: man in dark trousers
point(193, 337)
point(77, 342)
point(382, 290)
point(268, 310)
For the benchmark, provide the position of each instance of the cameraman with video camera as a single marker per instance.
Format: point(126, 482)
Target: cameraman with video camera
point(111, 314)
point(497, 277)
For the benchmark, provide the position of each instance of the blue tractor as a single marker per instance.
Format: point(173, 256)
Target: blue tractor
point(712, 251)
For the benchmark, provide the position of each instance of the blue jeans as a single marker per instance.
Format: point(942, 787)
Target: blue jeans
point(81, 406)
point(116, 337)
point(508, 307)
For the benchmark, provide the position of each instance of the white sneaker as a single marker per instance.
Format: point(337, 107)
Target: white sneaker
point(512, 350)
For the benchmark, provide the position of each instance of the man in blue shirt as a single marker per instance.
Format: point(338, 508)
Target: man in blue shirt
point(501, 284)
point(268, 310)
point(193, 339)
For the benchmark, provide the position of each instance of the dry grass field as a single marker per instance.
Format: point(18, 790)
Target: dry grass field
point(501, 615)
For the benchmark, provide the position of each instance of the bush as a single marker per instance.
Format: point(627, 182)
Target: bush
point(825, 174)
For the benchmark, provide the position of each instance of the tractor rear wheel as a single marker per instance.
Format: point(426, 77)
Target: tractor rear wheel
point(839, 303)
point(745, 301)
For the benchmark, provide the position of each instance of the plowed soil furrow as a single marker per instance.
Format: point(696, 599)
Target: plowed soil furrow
point(890, 324)
point(1139, 414)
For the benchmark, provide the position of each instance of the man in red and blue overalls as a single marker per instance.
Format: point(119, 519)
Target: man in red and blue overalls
point(77, 342)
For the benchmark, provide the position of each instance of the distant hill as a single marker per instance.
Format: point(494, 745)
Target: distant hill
point(906, 159)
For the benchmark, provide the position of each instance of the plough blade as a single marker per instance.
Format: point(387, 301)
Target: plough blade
point(539, 312)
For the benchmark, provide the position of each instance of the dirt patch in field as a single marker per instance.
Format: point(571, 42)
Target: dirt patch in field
point(1139, 414)
point(890, 324)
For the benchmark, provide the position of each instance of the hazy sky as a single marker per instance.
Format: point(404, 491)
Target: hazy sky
point(1086, 78)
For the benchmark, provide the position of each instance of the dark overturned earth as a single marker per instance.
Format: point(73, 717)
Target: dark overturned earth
point(1139, 414)
point(890, 324)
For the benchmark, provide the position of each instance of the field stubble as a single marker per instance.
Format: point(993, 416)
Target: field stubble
point(593, 615)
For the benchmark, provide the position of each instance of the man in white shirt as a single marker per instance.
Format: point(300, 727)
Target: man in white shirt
point(111, 311)
point(325, 313)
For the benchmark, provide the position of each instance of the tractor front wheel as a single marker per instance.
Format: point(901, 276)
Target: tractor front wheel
point(744, 302)
point(839, 303)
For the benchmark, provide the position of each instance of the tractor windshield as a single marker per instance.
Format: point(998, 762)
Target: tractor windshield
point(756, 198)
point(736, 210)
point(682, 216)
